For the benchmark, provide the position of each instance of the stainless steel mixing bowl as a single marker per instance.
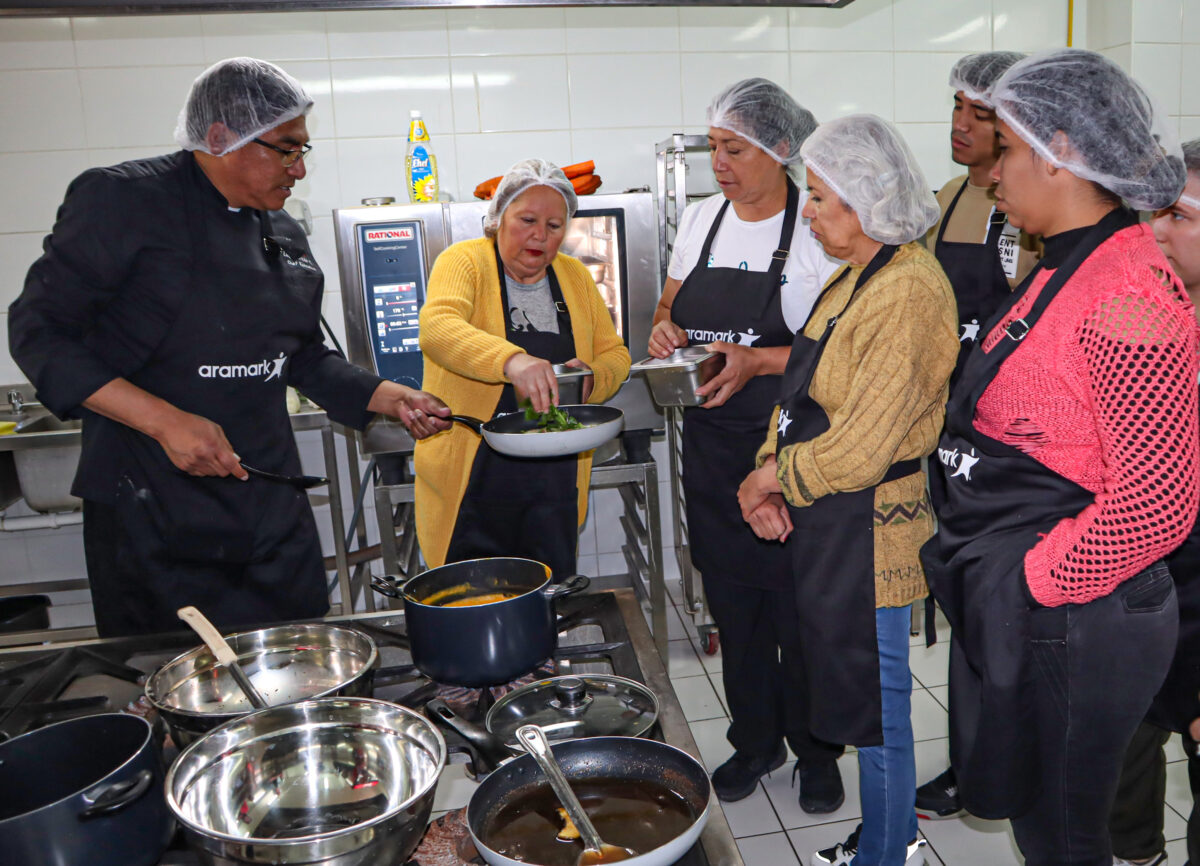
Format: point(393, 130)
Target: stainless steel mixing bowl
point(336, 781)
point(286, 664)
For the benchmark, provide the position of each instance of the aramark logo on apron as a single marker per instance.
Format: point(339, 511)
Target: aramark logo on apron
point(785, 421)
point(268, 369)
point(740, 338)
point(961, 462)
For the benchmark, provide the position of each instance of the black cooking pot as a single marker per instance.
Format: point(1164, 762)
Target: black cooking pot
point(483, 644)
point(84, 792)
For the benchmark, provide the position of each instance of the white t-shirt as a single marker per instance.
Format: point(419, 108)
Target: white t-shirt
point(749, 246)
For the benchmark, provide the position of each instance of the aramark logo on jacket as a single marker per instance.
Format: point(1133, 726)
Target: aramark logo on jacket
point(740, 338)
point(269, 369)
point(961, 462)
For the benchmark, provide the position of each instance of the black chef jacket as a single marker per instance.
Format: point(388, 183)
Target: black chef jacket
point(115, 279)
point(150, 276)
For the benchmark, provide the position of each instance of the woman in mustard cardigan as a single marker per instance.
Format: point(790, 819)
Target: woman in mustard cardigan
point(501, 310)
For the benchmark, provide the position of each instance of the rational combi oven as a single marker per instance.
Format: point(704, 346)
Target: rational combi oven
point(385, 253)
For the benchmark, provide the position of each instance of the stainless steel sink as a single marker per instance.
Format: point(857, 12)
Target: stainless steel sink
point(45, 473)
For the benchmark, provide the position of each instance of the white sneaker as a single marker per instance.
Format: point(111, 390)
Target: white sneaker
point(843, 852)
point(1160, 860)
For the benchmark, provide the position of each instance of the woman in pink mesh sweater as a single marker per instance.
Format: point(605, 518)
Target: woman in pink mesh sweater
point(1068, 466)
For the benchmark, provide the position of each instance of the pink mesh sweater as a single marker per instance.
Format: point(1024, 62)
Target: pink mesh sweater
point(1103, 392)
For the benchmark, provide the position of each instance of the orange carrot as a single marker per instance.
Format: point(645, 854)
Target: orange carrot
point(487, 189)
point(579, 169)
point(587, 184)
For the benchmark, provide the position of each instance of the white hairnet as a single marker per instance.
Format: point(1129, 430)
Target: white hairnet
point(249, 96)
point(976, 74)
point(523, 175)
point(865, 161)
point(1080, 111)
point(764, 114)
point(1191, 161)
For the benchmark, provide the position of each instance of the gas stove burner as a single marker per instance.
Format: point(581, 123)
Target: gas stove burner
point(36, 692)
point(473, 704)
point(447, 842)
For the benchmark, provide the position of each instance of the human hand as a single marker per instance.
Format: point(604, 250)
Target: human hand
point(665, 338)
point(588, 381)
point(756, 487)
point(741, 365)
point(1194, 730)
point(533, 379)
point(421, 413)
point(198, 446)
point(771, 520)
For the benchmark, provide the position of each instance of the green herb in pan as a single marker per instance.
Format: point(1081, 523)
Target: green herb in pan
point(554, 421)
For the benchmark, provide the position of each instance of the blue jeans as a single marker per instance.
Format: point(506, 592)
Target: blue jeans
point(887, 774)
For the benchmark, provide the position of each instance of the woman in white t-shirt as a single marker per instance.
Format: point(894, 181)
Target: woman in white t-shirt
point(743, 277)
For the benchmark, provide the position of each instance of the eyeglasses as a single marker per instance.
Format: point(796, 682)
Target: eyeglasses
point(289, 156)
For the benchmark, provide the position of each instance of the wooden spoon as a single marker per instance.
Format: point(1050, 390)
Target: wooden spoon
point(595, 851)
point(222, 651)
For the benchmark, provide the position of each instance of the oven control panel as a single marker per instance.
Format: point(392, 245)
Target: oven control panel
point(393, 267)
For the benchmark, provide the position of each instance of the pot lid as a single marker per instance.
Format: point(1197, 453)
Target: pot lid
point(570, 707)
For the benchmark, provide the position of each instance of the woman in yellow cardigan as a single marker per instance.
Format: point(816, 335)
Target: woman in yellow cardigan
point(501, 310)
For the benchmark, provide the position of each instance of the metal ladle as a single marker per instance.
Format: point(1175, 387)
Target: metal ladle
point(595, 850)
point(222, 651)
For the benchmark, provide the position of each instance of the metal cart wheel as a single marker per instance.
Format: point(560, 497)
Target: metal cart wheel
point(710, 640)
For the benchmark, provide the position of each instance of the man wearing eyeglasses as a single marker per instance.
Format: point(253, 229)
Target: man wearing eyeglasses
point(174, 303)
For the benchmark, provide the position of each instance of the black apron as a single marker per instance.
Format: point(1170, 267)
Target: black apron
point(993, 502)
point(719, 445)
point(977, 277)
point(243, 551)
point(522, 506)
point(833, 558)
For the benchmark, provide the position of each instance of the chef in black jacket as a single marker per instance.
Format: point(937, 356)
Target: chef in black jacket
point(173, 305)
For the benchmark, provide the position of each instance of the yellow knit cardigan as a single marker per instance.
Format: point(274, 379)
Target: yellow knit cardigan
point(462, 338)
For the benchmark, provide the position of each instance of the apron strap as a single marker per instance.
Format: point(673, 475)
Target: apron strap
point(982, 366)
point(556, 295)
point(779, 258)
point(949, 211)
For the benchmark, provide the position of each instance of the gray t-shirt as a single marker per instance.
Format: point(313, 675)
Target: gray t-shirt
point(531, 306)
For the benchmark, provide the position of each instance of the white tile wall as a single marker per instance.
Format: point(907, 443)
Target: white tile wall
point(36, 43)
point(961, 26)
point(1110, 22)
point(387, 32)
point(733, 29)
point(1029, 25)
point(169, 40)
point(1157, 20)
point(865, 82)
point(595, 30)
point(278, 37)
point(1157, 68)
point(1191, 22)
point(865, 25)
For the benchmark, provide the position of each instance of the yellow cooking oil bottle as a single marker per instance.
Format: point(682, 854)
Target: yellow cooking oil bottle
point(420, 165)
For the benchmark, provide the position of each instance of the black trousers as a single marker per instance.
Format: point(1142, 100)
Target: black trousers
point(1136, 825)
point(1097, 667)
point(763, 670)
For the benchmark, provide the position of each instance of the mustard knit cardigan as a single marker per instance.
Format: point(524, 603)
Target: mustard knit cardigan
point(462, 338)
